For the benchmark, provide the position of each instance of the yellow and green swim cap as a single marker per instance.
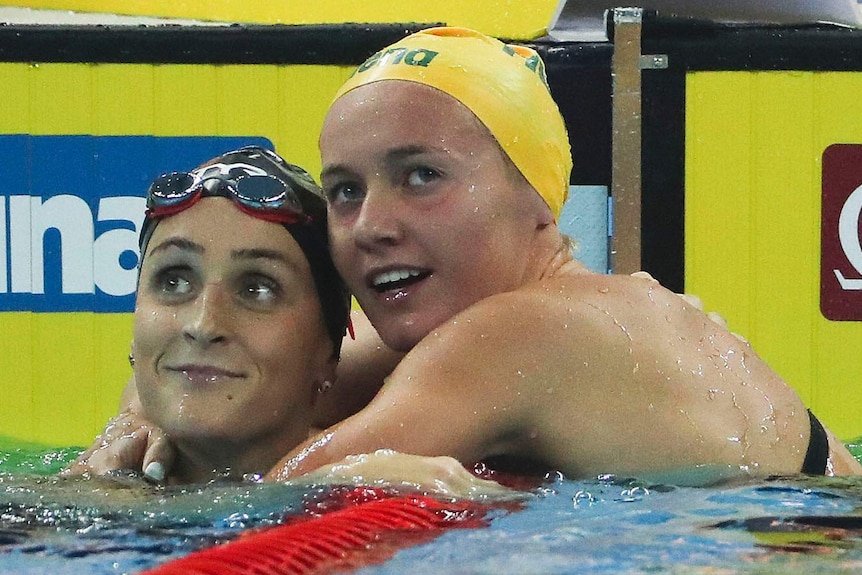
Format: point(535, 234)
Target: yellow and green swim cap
point(503, 85)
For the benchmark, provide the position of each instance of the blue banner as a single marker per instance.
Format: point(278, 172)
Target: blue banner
point(71, 209)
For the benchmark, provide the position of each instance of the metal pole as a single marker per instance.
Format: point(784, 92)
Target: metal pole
point(626, 141)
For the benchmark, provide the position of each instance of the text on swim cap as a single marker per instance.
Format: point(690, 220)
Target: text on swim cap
point(532, 62)
point(396, 56)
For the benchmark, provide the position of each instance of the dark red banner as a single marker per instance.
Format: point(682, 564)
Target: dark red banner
point(840, 233)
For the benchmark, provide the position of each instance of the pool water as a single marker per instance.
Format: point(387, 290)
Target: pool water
point(609, 525)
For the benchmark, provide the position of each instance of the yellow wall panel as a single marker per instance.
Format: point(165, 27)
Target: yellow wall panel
point(754, 142)
point(60, 99)
point(117, 95)
point(15, 98)
point(185, 98)
point(69, 340)
point(17, 381)
point(505, 18)
point(304, 94)
point(720, 198)
point(784, 190)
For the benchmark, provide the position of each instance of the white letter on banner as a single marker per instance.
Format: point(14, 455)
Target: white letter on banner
point(4, 281)
point(110, 276)
point(72, 217)
point(848, 234)
point(19, 244)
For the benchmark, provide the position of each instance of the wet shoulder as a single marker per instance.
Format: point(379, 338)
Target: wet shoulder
point(577, 290)
point(556, 302)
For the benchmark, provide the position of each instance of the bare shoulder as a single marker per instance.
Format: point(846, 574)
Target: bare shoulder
point(579, 305)
point(683, 390)
point(578, 325)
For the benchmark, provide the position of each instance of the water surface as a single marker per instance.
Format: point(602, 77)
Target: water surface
point(608, 525)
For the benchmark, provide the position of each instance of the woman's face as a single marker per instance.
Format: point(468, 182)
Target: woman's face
point(426, 213)
point(229, 341)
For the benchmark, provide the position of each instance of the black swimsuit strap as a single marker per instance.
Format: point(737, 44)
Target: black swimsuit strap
point(817, 455)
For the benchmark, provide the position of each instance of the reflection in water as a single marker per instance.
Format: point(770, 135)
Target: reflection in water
point(123, 524)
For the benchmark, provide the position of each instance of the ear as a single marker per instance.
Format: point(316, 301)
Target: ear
point(324, 379)
point(539, 209)
point(330, 367)
point(544, 216)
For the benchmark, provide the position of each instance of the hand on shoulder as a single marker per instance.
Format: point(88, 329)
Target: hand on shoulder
point(128, 442)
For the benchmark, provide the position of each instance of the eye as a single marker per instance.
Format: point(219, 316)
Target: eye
point(421, 176)
point(172, 283)
point(259, 290)
point(344, 193)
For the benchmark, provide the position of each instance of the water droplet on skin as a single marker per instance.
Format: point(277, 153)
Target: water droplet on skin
point(181, 408)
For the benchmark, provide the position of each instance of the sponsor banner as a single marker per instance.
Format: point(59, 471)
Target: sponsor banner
point(71, 208)
point(841, 234)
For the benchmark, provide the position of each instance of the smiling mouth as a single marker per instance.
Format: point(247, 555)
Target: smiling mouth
point(397, 279)
point(205, 372)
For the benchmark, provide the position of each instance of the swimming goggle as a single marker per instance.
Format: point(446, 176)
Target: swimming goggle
point(262, 196)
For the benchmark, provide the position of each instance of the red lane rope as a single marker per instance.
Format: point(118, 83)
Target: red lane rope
point(367, 527)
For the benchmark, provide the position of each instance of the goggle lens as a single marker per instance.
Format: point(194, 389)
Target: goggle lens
point(264, 195)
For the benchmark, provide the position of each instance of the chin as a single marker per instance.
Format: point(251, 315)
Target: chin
point(402, 336)
point(197, 429)
point(395, 339)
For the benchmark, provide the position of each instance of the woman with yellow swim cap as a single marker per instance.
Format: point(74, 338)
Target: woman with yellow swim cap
point(445, 164)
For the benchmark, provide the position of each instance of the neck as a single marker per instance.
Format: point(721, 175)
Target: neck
point(203, 461)
point(554, 255)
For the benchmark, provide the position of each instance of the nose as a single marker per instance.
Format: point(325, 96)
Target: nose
point(379, 222)
point(207, 318)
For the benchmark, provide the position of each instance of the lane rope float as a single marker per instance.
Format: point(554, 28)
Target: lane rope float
point(361, 526)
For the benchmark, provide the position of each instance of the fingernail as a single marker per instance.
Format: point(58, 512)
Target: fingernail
point(155, 471)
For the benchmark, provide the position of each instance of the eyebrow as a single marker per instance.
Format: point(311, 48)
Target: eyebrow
point(179, 243)
point(260, 254)
point(393, 155)
point(405, 152)
point(241, 254)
